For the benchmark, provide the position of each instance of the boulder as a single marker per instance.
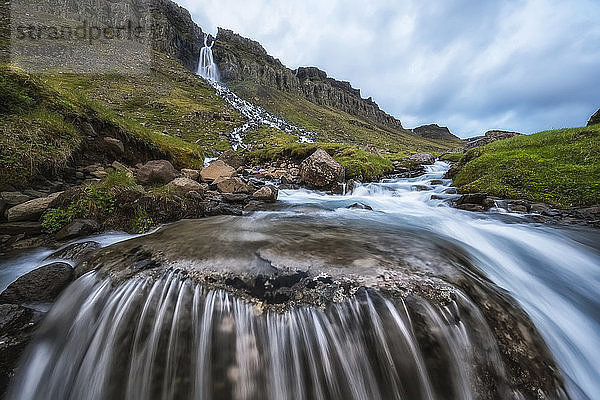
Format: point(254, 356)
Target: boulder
point(490, 137)
point(360, 206)
point(42, 285)
point(267, 194)
point(158, 172)
point(471, 207)
point(233, 185)
point(21, 228)
point(321, 171)
point(115, 146)
point(192, 174)
point(14, 198)
point(78, 228)
point(31, 210)
point(233, 159)
point(216, 170)
point(595, 119)
point(185, 185)
point(235, 197)
point(423, 158)
point(75, 252)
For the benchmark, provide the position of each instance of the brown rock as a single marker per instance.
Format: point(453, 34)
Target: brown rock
point(216, 170)
point(14, 198)
point(233, 159)
point(233, 185)
point(192, 174)
point(423, 158)
point(114, 145)
point(78, 228)
point(159, 172)
point(267, 194)
point(184, 186)
point(31, 210)
point(320, 170)
point(471, 207)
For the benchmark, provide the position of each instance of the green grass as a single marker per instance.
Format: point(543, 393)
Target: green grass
point(560, 168)
point(357, 162)
point(451, 157)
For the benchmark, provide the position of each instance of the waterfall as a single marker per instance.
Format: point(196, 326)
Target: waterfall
point(207, 67)
point(171, 339)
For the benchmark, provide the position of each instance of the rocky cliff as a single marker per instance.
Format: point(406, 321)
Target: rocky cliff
point(595, 119)
point(244, 60)
point(434, 132)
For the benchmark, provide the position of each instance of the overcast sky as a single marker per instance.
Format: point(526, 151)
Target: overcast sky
point(471, 65)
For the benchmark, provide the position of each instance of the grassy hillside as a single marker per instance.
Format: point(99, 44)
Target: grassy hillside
point(170, 113)
point(335, 126)
point(560, 168)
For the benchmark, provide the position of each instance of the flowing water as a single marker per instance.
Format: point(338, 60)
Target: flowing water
point(255, 116)
point(169, 338)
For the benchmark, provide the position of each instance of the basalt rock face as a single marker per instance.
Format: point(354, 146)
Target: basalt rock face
point(175, 33)
point(434, 132)
point(240, 59)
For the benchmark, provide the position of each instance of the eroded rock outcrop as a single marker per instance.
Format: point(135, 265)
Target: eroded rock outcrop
point(490, 137)
point(595, 119)
point(434, 131)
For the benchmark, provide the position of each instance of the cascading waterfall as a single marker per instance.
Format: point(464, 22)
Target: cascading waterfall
point(256, 116)
point(171, 339)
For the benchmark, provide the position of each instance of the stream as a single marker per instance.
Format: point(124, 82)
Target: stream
point(552, 272)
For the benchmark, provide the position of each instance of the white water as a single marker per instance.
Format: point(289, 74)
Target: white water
point(256, 116)
point(552, 272)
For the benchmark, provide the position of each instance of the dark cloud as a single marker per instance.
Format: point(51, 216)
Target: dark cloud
point(525, 65)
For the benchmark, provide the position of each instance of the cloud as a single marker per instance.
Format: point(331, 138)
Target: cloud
point(524, 65)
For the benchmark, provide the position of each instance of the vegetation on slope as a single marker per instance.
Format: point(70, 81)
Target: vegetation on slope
point(335, 126)
point(560, 168)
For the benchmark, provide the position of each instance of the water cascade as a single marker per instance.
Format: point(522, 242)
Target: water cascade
point(256, 116)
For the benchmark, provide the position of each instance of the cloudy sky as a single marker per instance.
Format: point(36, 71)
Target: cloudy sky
point(523, 65)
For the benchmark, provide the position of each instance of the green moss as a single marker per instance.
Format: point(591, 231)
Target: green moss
point(451, 157)
point(560, 168)
point(141, 222)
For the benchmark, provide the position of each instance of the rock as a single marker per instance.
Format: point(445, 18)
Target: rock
point(422, 188)
point(91, 168)
point(123, 168)
point(472, 198)
point(3, 208)
point(595, 119)
point(192, 174)
point(490, 137)
point(471, 207)
point(235, 197)
point(539, 208)
point(267, 194)
point(321, 171)
point(197, 196)
point(216, 170)
point(99, 174)
point(14, 198)
point(360, 206)
point(42, 285)
point(17, 228)
point(78, 228)
point(31, 210)
point(159, 172)
point(115, 146)
point(423, 158)
point(75, 252)
point(185, 185)
point(437, 182)
point(489, 202)
point(233, 159)
point(351, 185)
point(232, 185)
point(434, 132)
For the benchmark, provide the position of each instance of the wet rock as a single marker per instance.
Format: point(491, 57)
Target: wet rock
point(115, 146)
point(267, 194)
point(185, 185)
point(360, 206)
point(159, 172)
point(321, 171)
point(78, 228)
point(216, 170)
point(422, 188)
point(31, 210)
point(192, 174)
point(3, 208)
point(17, 228)
point(75, 252)
point(423, 158)
point(232, 185)
point(233, 159)
point(14, 198)
point(194, 195)
point(42, 285)
point(471, 207)
point(437, 182)
point(235, 197)
point(595, 119)
point(351, 185)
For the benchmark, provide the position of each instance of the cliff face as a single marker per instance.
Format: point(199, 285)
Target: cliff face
point(242, 60)
point(435, 132)
point(175, 33)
